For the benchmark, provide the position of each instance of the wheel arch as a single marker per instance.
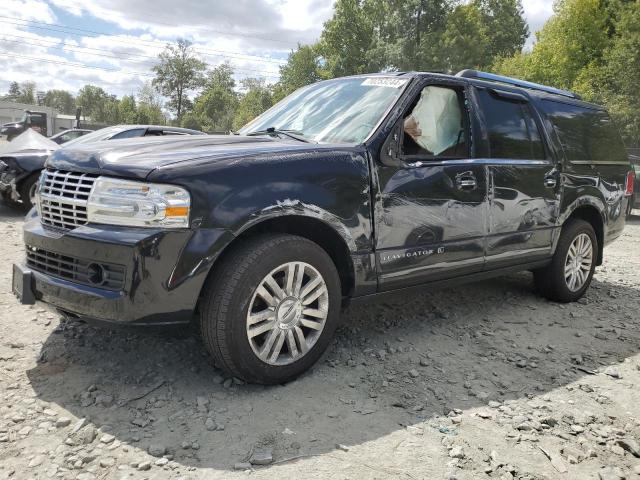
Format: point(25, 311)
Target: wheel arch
point(314, 229)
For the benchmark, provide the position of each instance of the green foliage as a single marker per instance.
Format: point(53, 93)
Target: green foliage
point(303, 67)
point(374, 35)
point(61, 100)
point(150, 106)
point(256, 99)
point(24, 92)
point(127, 110)
point(591, 47)
point(178, 73)
point(95, 103)
point(214, 108)
point(347, 38)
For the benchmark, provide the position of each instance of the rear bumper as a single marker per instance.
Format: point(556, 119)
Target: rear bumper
point(164, 271)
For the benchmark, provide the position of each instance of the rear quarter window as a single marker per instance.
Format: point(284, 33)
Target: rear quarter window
point(586, 134)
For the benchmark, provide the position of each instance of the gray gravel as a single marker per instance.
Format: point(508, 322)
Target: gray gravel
point(479, 382)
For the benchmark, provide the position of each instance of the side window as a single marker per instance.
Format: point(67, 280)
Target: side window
point(513, 132)
point(136, 132)
point(586, 134)
point(436, 125)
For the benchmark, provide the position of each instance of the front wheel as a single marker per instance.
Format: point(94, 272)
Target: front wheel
point(270, 308)
point(569, 275)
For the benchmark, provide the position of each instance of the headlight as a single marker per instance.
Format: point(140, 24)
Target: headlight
point(124, 202)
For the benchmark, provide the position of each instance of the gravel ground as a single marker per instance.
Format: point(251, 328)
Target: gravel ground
point(482, 381)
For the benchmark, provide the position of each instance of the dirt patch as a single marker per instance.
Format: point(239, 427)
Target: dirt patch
point(482, 381)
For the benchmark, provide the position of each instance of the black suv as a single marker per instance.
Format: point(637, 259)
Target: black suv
point(346, 190)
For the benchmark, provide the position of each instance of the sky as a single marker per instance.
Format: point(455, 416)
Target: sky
point(66, 44)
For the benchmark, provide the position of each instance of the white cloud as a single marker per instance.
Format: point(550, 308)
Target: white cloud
point(255, 36)
point(28, 10)
point(536, 12)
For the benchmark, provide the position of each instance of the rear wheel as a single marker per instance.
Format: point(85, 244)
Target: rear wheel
point(270, 308)
point(571, 270)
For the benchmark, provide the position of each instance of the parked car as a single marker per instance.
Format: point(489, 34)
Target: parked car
point(20, 170)
point(347, 190)
point(68, 135)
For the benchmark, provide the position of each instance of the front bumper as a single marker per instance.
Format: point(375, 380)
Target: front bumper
point(164, 271)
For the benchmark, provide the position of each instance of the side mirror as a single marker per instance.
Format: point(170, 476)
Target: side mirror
point(390, 152)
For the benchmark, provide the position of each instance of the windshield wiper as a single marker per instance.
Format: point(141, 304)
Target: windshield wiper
point(287, 133)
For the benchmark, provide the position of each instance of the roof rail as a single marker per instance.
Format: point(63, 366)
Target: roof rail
point(514, 81)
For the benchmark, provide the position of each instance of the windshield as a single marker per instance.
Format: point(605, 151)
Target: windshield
point(336, 111)
point(102, 134)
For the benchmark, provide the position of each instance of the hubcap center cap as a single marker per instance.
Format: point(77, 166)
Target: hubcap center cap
point(289, 312)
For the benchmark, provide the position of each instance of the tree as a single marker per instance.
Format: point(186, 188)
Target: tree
point(150, 106)
point(214, 108)
point(24, 92)
point(617, 82)
point(465, 41)
point(61, 100)
point(303, 67)
point(127, 110)
point(93, 101)
point(504, 26)
point(13, 93)
point(591, 47)
point(346, 39)
point(178, 73)
point(575, 37)
point(256, 99)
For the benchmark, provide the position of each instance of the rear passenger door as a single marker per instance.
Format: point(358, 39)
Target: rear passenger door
point(523, 179)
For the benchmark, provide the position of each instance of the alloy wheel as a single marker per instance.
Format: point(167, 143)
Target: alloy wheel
point(287, 313)
point(577, 265)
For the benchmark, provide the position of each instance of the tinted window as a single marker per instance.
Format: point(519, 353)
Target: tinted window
point(512, 131)
point(136, 132)
point(585, 133)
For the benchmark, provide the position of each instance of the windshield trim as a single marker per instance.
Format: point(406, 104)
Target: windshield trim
point(383, 117)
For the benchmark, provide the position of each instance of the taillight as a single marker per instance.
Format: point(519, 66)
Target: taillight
point(631, 178)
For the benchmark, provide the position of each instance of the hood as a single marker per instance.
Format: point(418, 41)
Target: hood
point(140, 156)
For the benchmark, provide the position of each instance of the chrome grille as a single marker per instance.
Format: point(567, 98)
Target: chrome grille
point(63, 198)
point(86, 272)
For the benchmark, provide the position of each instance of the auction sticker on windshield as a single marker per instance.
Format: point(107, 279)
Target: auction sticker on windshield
point(385, 82)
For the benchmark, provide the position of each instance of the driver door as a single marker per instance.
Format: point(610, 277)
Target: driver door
point(431, 218)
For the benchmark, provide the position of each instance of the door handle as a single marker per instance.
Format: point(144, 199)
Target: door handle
point(550, 182)
point(466, 182)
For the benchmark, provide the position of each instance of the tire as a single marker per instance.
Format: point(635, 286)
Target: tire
point(552, 281)
point(232, 292)
point(26, 190)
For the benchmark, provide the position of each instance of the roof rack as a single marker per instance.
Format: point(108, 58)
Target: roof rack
point(514, 81)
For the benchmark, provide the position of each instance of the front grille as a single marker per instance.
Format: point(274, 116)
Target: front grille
point(63, 198)
point(86, 272)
